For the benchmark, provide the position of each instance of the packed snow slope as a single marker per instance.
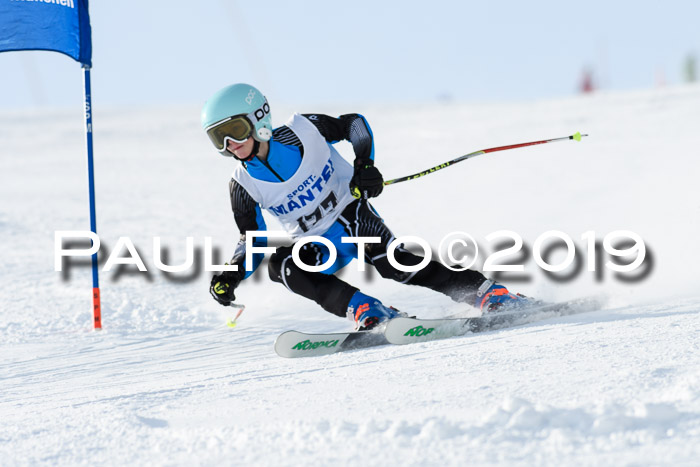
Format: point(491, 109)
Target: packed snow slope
point(166, 382)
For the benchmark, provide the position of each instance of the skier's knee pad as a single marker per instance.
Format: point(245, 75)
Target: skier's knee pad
point(385, 269)
point(310, 254)
point(274, 266)
point(388, 271)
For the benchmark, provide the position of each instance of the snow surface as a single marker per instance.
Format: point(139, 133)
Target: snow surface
point(166, 382)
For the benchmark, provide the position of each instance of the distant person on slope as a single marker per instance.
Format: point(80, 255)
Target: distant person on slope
point(295, 173)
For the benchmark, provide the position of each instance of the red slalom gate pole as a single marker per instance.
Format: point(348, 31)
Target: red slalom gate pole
point(575, 137)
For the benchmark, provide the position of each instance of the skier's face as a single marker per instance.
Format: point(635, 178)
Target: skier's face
point(242, 150)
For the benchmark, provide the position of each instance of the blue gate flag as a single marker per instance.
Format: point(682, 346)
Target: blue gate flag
point(59, 26)
point(56, 25)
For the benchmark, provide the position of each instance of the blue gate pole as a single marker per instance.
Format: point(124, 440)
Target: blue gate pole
point(96, 307)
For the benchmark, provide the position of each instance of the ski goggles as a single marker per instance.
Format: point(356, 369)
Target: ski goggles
point(237, 128)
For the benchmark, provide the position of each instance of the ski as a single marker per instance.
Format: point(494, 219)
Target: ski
point(410, 330)
point(295, 344)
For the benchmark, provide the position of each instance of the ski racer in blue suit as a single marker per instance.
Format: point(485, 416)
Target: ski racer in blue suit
point(295, 174)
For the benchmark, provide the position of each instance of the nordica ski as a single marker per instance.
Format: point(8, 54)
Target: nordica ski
point(410, 330)
point(294, 344)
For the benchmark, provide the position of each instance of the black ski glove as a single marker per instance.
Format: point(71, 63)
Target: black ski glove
point(367, 181)
point(222, 286)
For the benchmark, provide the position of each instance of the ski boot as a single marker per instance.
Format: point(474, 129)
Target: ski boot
point(492, 297)
point(367, 312)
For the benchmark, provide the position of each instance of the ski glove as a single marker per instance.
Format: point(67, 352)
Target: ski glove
point(223, 285)
point(367, 181)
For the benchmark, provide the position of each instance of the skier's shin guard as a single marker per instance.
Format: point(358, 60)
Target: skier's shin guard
point(327, 290)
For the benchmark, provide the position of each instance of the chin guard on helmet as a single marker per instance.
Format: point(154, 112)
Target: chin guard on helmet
point(264, 134)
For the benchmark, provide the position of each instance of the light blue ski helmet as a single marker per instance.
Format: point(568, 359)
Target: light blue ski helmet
point(241, 100)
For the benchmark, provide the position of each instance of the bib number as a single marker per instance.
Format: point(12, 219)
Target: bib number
point(324, 208)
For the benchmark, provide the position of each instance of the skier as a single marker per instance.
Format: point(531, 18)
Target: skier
point(295, 174)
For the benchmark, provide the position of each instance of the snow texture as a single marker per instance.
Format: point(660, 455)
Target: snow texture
point(166, 382)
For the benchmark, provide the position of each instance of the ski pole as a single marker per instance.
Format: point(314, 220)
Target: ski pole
point(232, 322)
point(444, 165)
